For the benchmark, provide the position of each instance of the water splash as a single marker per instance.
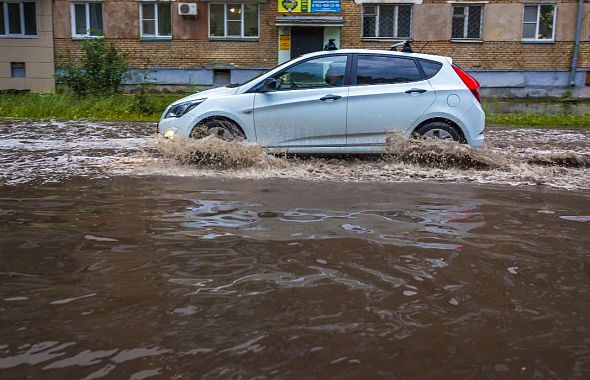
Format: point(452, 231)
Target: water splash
point(440, 153)
point(554, 160)
point(52, 152)
point(212, 152)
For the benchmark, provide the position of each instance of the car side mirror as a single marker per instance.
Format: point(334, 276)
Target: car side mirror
point(269, 84)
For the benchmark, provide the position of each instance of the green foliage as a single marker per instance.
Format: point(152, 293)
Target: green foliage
point(100, 71)
point(142, 99)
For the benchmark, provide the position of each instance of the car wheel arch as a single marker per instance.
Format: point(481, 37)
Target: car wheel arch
point(449, 122)
point(220, 118)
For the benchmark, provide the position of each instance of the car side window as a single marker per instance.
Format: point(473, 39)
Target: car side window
point(386, 70)
point(430, 68)
point(314, 73)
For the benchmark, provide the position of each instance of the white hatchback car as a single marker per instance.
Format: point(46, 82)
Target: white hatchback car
point(343, 101)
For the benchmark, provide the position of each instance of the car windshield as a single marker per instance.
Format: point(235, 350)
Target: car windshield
point(249, 80)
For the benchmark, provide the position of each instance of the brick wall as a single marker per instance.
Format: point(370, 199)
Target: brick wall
point(192, 49)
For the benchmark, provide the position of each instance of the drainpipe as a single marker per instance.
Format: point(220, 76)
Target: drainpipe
point(577, 43)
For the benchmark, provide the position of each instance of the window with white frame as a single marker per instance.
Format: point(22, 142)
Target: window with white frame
point(538, 22)
point(86, 19)
point(467, 22)
point(387, 21)
point(156, 20)
point(18, 19)
point(233, 20)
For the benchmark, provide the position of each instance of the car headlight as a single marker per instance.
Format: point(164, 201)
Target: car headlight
point(180, 109)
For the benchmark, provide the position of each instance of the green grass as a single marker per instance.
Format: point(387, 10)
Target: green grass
point(539, 120)
point(126, 107)
point(121, 107)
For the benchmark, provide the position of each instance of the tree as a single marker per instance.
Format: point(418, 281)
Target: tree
point(100, 70)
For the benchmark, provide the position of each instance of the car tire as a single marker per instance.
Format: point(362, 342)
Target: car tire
point(220, 128)
point(439, 130)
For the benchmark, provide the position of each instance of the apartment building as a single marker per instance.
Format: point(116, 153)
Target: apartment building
point(514, 47)
point(26, 46)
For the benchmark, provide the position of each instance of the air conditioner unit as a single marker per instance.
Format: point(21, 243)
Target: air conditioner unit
point(187, 9)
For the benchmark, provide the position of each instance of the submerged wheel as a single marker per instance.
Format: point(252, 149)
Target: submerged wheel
point(220, 128)
point(438, 130)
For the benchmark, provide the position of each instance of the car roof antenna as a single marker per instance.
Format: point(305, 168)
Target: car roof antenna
point(423, 46)
point(406, 46)
point(331, 45)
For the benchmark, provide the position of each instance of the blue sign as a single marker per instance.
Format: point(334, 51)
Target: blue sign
point(325, 6)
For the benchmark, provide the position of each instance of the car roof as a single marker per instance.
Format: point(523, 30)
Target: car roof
point(438, 58)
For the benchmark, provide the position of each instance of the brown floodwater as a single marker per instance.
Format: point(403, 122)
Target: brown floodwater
point(122, 257)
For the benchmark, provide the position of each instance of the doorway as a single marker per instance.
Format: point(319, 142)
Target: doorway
point(306, 39)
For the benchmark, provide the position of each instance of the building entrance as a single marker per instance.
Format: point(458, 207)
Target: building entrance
point(305, 39)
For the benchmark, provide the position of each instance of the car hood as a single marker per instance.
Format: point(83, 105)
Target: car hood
point(214, 92)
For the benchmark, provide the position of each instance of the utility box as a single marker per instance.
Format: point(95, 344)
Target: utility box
point(187, 9)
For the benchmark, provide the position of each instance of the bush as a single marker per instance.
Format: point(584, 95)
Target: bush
point(100, 71)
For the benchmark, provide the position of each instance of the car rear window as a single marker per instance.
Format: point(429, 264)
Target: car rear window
point(430, 68)
point(386, 70)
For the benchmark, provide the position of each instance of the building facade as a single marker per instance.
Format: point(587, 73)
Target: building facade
point(514, 47)
point(26, 46)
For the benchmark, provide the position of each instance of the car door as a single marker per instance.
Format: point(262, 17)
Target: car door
point(387, 94)
point(309, 107)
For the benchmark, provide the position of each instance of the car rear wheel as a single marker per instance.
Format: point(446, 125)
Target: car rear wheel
point(438, 130)
point(220, 128)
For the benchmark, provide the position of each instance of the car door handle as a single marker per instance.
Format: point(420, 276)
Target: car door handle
point(330, 97)
point(415, 91)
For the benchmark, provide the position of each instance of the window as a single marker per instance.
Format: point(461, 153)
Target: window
point(386, 70)
point(315, 73)
point(430, 68)
point(17, 70)
point(86, 19)
point(156, 20)
point(387, 21)
point(233, 20)
point(467, 21)
point(538, 22)
point(18, 19)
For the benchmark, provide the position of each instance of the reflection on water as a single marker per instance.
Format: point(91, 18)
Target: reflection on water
point(175, 277)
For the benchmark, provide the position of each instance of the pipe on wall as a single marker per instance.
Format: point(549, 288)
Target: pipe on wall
point(577, 43)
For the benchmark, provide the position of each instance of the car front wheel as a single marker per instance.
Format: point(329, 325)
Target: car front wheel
point(220, 128)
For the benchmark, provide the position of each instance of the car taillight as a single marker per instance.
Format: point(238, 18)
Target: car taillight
point(471, 83)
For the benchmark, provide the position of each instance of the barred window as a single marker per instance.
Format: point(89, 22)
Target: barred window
point(387, 21)
point(467, 22)
point(538, 22)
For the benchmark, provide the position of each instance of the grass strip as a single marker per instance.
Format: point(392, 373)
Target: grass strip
point(120, 107)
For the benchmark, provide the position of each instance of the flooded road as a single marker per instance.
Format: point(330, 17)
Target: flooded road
point(118, 262)
point(50, 152)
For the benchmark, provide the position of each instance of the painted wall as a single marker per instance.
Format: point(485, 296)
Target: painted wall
point(436, 19)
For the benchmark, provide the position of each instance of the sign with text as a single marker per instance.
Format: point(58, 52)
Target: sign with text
point(325, 6)
point(309, 6)
point(285, 42)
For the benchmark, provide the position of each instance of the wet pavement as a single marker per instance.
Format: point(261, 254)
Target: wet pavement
point(119, 262)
